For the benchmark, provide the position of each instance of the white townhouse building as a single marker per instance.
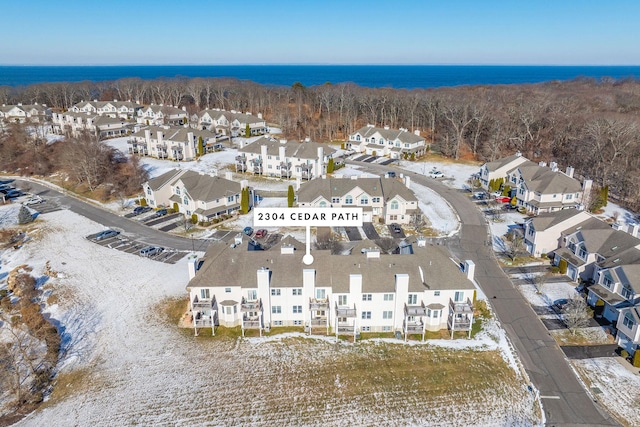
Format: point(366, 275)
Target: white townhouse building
point(162, 115)
point(394, 143)
point(284, 159)
point(543, 233)
point(169, 142)
point(538, 188)
point(115, 109)
point(102, 126)
point(20, 113)
point(380, 198)
point(363, 291)
point(205, 195)
point(230, 123)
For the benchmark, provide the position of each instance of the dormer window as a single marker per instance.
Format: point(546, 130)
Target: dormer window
point(178, 191)
point(628, 321)
point(627, 293)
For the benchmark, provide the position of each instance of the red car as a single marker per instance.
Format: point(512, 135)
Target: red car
point(261, 233)
point(503, 199)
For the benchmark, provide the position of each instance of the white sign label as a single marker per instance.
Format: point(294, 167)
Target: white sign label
point(310, 217)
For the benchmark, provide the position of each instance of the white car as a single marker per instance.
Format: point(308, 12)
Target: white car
point(34, 200)
point(436, 174)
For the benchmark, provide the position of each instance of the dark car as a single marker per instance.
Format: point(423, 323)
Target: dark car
point(560, 304)
point(396, 228)
point(106, 234)
point(261, 233)
point(12, 194)
point(248, 231)
point(391, 174)
point(161, 212)
point(141, 209)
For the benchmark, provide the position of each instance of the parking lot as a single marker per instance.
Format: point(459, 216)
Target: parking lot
point(124, 244)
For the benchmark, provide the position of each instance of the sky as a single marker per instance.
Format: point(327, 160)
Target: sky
point(160, 32)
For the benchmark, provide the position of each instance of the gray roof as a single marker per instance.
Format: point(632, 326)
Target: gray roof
point(387, 188)
point(543, 180)
point(389, 134)
point(292, 148)
point(158, 182)
point(175, 133)
point(224, 266)
point(241, 117)
point(206, 187)
point(550, 219)
point(500, 163)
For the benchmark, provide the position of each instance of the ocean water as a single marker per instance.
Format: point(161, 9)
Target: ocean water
point(394, 76)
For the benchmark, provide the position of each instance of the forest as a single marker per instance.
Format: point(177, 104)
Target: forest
point(589, 124)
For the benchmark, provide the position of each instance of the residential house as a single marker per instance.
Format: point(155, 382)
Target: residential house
point(362, 291)
point(115, 109)
point(230, 123)
point(169, 142)
point(284, 159)
point(381, 198)
point(162, 115)
point(38, 113)
point(101, 126)
point(542, 234)
point(537, 188)
point(394, 143)
point(207, 196)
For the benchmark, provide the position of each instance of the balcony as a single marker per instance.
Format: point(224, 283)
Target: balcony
point(318, 304)
point(204, 320)
point(462, 323)
point(415, 310)
point(343, 311)
point(346, 329)
point(413, 327)
point(251, 322)
point(202, 304)
point(241, 159)
point(319, 321)
point(250, 306)
point(461, 307)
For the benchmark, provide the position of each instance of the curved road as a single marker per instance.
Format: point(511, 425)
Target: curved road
point(565, 401)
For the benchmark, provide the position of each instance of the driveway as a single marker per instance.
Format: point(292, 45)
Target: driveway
point(370, 231)
point(589, 351)
point(353, 233)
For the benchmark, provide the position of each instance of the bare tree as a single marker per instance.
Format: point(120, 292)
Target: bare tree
point(418, 222)
point(516, 245)
point(576, 314)
point(539, 281)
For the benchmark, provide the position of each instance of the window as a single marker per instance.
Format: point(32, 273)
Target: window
point(297, 309)
point(252, 295)
point(297, 323)
point(228, 310)
point(204, 293)
point(366, 315)
point(230, 199)
point(393, 217)
point(436, 293)
point(394, 205)
point(178, 191)
point(386, 329)
point(276, 309)
point(357, 137)
point(628, 321)
point(376, 200)
point(387, 314)
point(381, 141)
point(627, 293)
point(227, 290)
point(322, 204)
point(185, 200)
point(373, 140)
point(320, 313)
point(275, 292)
point(149, 192)
point(366, 297)
point(428, 312)
point(348, 200)
point(459, 296)
point(366, 328)
point(436, 314)
point(364, 200)
point(569, 196)
point(413, 299)
point(607, 282)
point(277, 323)
point(335, 200)
point(296, 291)
point(342, 300)
point(388, 297)
point(321, 293)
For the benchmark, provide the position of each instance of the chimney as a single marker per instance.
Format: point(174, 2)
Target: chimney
point(115, 100)
point(553, 166)
point(470, 269)
point(283, 141)
point(320, 162)
point(298, 182)
point(386, 128)
point(518, 154)
point(542, 164)
point(192, 264)
point(241, 143)
point(586, 191)
point(244, 183)
point(281, 153)
point(373, 253)
point(263, 154)
point(633, 229)
point(184, 108)
point(287, 250)
point(307, 139)
point(229, 176)
point(569, 172)
point(260, 115)
point(407, 181)
point(416, 132)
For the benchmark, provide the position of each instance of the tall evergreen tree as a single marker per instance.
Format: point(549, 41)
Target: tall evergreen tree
point(200, 147)
point(290, 196)
point(330, 165)
point(247, 131)
point(244, 200)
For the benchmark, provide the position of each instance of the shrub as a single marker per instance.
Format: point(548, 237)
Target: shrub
point(624, 353)
point(562, 266)
point(143, 201)
point(175, 207)
point(374, 153)
point(342, 146)
point(636, 359)
point(413, 156)
point(194, 218)
point(555, 269)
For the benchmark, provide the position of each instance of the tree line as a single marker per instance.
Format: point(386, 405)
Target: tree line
point(589, 124)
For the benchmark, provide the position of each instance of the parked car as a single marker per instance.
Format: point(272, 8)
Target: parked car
point(12, 194)
point(149, 251)
point(436, 174)
point(560, 304)
point(396, 228)
point(106, 234)
point(141, 209)
point(161, 212)
point(391, 174)
point(503, 199)
point(261, 233)
point(248, 231)
point(6, 188)
point(34, 200)
point(480, 195)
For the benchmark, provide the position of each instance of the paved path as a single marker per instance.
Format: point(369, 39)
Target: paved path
point(565, 401)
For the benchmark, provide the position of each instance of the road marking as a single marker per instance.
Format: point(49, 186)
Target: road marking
point(550, 397)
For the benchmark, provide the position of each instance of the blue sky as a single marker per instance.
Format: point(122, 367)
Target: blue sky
point(115, 32)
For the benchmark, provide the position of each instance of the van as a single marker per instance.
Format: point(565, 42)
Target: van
point(149, 251)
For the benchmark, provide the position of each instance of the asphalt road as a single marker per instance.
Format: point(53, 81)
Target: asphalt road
point(132, 228)
point(565, 401)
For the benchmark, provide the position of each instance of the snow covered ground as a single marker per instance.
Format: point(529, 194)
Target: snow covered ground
point(132, 367)
point(455, 174)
